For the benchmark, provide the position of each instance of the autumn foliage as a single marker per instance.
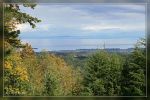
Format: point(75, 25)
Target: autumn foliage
point(30, 73)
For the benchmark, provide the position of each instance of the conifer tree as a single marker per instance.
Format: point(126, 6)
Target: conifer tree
point(13, 17)
point(102, 74)
point(134, 71)
point(16, 76)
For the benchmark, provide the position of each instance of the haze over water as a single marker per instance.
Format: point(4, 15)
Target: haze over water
point(70, 27)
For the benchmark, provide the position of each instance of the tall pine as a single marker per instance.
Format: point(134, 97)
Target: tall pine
point(102, 74)
point(133, 74)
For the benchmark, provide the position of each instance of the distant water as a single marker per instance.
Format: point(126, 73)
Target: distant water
point(73, 44)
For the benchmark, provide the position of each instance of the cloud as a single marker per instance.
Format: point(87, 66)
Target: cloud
point(98, 27)
point(39, 27)
point(115, 27)
point(67, 26)
point(91, 1)
point(89, 17)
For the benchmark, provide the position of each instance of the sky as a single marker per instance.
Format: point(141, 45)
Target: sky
point(84, 26)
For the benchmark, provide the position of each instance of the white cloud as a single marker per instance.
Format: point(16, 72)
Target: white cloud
point(35, 42)
point(59, 20)
point(28, 28)
point(111, 26)
point(72, 17)
point(24, 27)
point(108, 41)
point(98, 27)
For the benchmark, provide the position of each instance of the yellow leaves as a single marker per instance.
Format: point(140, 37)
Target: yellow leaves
point(27, 52)
point(15, 66)
point(37, 67)
point(65, 74)
point(8, 65)
point(22, 72)
point(15, 70)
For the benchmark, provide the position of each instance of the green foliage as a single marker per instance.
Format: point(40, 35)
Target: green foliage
point(74, 61)
point(51, 85)
point(16, 76)
point(102, 74)
point(7, 48)
point(133, 74)
point(61, 79)
point(34, 70)
point(42, 74)
point(15, 69)
point(27, 73)
point(13, 17)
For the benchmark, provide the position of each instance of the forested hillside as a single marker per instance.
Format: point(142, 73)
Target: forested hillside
point(102, 73)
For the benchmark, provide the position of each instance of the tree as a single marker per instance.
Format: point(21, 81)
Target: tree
point(60, 79)
point(13, 17)
point(16, 79)
point(34, 70)
point(15, 75)
point(51, 84)
point(27, 51)
point(134, 72)
point(102, 74)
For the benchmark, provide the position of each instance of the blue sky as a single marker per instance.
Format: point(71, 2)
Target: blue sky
point(81, 26)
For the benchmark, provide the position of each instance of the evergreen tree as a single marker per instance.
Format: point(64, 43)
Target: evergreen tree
point(51, 85)
point(16, 76)
point(102, 74)
point(134, 71)
point(13, 17)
